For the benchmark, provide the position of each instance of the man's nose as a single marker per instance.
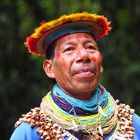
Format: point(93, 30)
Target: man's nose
point(82, 56)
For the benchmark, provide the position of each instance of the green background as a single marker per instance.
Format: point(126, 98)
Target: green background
point(22, 80)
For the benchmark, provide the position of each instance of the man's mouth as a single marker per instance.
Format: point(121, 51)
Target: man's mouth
point(85, 72)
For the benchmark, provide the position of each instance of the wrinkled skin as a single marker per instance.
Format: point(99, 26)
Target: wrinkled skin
point(76, 66)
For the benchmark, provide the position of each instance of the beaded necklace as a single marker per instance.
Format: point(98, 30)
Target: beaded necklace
point(48, 129)
point(51, 124)
point(86, 124)
point(88, 105)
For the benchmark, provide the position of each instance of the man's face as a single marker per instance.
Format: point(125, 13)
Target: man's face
point(76, 64)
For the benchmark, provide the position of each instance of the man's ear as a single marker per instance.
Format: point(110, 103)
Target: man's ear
point(48, 68)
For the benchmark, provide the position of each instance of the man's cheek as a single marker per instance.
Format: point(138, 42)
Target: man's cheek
point(58, 55)
point(97, 58)
point(62, 63)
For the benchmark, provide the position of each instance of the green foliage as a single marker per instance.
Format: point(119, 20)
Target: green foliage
point(124, 18)
point(23, 82)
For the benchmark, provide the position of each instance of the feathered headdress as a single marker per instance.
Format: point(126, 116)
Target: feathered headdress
point(48, 32)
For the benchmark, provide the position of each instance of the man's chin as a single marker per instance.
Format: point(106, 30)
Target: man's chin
point(85, 88)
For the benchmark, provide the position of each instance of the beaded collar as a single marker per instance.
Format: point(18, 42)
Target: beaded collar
point(85, 124)
point(54, 123)
point(80, 107)
point(50, 130)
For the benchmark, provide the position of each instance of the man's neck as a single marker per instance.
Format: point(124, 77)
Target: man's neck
point(80, 96)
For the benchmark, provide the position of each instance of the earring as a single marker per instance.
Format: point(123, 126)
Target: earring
point(101, 69)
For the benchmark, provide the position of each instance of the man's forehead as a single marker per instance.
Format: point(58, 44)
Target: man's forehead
point(76, 37)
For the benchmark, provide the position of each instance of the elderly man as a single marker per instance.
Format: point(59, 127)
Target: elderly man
point(78, 107)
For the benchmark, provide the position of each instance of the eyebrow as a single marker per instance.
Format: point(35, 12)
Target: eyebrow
point(89, 41)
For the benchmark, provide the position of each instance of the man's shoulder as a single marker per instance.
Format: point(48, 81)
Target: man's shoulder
point(136, 125)
point(25, 132)
point(31, 117)
point(25, 129)
point(136, 121)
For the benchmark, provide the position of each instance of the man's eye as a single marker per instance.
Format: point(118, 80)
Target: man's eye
point(68, 49)
point(91, 47)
